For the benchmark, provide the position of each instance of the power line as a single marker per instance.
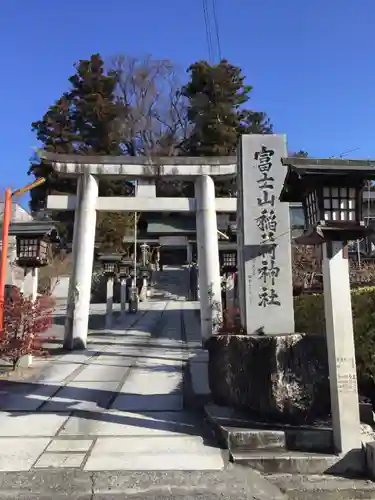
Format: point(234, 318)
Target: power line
point(208, 30)
point(217, 31)
point(344, 153)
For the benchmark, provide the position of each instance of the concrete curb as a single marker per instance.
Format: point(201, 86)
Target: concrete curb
point(230, 483)
point(325, 487)
point(197, 392)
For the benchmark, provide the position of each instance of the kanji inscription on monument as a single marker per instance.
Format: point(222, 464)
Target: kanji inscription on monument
point(264, 244)
point(346, 374)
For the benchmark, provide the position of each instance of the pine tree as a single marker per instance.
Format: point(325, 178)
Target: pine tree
point(93, 108)
point(216, 96)
point(300, 154)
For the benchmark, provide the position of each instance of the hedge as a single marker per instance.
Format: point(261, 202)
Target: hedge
point(309, 318)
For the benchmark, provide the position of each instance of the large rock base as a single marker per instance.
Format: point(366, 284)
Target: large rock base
point(274, 378)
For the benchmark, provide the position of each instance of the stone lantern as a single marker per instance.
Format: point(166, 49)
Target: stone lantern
point(33, 239)
point(124, 267)
point(331, 193)
point(228, 268)
point(228, 258)
point(110, 264)
point(33, 242)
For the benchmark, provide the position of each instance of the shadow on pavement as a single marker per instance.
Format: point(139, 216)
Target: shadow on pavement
point(93, 407)
point(109, 407)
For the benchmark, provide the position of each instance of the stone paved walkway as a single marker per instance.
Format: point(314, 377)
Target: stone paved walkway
point(117, 406)
point(171, 284)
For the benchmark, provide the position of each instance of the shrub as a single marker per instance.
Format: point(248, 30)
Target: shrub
point(24, 322)
point(309, 318)
point(307, 270)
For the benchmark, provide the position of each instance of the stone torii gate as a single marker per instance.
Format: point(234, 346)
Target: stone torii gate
point(145, 171)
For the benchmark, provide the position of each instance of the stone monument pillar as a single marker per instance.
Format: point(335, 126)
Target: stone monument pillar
point(264, 241)
point(208, 256)
point(30, 282)
point(77, 315)
point(123, 297)
point(229, 292)
point(145, 253)
point(189, 253)
point(109, 306)
point(340, 347)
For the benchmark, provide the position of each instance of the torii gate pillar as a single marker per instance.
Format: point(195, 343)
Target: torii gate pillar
point(208, 257)
point(77, 314)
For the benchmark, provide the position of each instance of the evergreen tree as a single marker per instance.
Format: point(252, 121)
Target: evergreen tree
point(56, 133)
point(93, 108)
point(254, 122)
point(300, 154)
point(82, 121)
point(216, 97)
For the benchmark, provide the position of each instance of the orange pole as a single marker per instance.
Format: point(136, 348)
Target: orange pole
point(4, 253)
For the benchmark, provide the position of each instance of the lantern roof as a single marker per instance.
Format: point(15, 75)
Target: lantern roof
point(127, 261)
point(110, 257)
point(302, 172)
point(34, 228)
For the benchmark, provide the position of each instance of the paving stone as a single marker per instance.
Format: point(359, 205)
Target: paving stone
point(84, 396)
point(160, 364)
point(57, 460)
point(155, 402)
point(119, 361)
point(31, 424)
point(149, 405)
point(168, 444)
point(25, 397)
point(160, 380)
point(171, 453)
point(19, 454)
point(58, 372)
point(97, 373)
point(68, 445)
point(79, 358)
point(162, 356)
point(167, 345)
point(117, 423)
point(126, 352)
point(128, 341)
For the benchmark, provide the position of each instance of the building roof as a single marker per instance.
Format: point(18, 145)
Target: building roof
point(302, 171)
point(19, 214)
point(32, 228)
point(329, 163)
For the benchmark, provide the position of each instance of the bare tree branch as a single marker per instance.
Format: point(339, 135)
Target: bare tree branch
point(154, 121)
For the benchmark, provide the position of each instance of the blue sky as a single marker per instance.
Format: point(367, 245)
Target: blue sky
point(309, 62)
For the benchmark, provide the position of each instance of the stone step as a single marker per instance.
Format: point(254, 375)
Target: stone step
point(275, 461)
point(317, 441)
point(253, 439)
point(238, 432)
